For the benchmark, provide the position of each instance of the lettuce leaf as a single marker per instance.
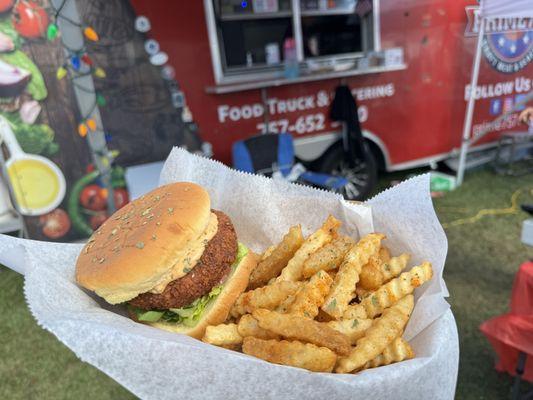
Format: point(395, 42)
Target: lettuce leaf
point(190, 314)
point(242, 251)
point(6, 27)
point(150, 316)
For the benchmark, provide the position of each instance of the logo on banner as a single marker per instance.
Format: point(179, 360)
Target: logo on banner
point(508, 103)
point(519, 98)
point(508, 52)
point(495, 107)
point(508, 43)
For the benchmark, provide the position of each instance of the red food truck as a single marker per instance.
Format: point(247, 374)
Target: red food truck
point(407, 63)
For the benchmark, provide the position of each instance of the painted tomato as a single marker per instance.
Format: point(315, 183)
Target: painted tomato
point(30, 19)
point(97, 220)
point(55, 224)
point(5, 5)
point(121, 197)
point(92, 199)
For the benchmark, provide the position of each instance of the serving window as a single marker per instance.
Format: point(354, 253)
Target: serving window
point(247, 38)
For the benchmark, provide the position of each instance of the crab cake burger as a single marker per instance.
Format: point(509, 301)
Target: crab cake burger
point(173, 260)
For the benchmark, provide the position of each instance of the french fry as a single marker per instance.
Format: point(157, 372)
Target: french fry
point(293, 270)
point(392, 291)
point(222, 335)
point(328, 257)
point(295, 354)
point(384, 254)
point(354, 311)
point(382, 332)
point(325, 303)
point(234, 347)
point(323, 317)
point(353, 328)
point(362, 293)
point(376, 272)
point(398, 350)
point(248, 326)
point(267, 253)
point(267, 297)
point(285, 304)
point(273, 263)
point(343, 288)
point(292, 326)
point(332, 274)
point(311, 296)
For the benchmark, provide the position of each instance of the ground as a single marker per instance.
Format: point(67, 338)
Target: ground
point(483, 258)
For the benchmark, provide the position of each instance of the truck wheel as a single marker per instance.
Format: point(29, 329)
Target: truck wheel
point(362, 178)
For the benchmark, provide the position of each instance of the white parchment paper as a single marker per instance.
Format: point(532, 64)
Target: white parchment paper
point(154, 364)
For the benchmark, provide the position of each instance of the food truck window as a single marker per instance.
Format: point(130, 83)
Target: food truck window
point(331, 35)
point(246, 42)
point(334, 28)
point(247, 37)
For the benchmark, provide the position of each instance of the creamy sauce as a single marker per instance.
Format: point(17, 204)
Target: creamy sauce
point(188, 258)
point(35, 184)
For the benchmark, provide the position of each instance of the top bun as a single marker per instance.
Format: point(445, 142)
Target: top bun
point(137, 247)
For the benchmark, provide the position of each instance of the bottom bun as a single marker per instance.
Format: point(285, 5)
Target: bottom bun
point(217, 312)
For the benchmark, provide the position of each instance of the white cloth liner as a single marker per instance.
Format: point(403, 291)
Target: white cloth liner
point(154, 364)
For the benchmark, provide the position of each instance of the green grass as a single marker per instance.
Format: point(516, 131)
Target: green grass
point(34, 364)
point(483, 258)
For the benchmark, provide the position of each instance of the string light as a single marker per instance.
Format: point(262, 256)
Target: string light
point(88, 31)
point(82, 130)
point(86, 59)
point(74, 69)
point(91, 123)
point(99, 73)
point(91, 34)
point(100, 100)
point(61, 73)
point(75, 62)
point(52, 31)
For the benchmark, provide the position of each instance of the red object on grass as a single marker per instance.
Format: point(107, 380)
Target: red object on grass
point(512, 333)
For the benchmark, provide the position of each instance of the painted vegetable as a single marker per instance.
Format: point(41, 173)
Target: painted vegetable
point(6, 27)
point(36, 87)
point(29, 111)
point(92, 199)
point(55, 224)
point(121, 197)
point(6, 43)
point(30, 19)
point(97, 220)
point(34, 139)
point(5, 5)
point(13, 80)
point(79, 223)
point(118, 179)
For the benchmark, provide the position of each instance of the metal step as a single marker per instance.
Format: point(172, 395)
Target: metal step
point(480, 158)
point(473, 160)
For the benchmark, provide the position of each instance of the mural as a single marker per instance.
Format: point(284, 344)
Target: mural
point(44, 137)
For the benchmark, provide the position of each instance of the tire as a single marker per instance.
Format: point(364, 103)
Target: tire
point(362, 179)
